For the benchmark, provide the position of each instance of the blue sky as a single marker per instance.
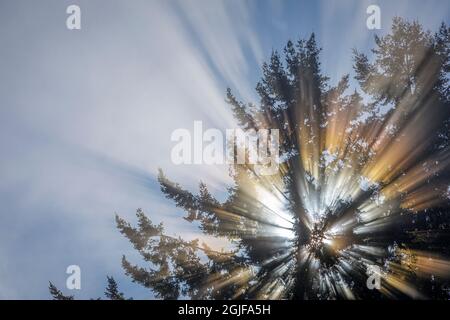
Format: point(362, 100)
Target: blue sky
point(86, 115)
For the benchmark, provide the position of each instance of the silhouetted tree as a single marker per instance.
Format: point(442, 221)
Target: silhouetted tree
point(56, 294)
point(330, 221)
point(112, 290)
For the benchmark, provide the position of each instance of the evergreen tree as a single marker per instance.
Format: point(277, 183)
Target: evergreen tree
point(56, 294)
point(356, 187)
point(112, 290)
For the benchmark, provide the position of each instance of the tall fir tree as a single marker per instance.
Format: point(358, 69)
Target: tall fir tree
point(362, 182)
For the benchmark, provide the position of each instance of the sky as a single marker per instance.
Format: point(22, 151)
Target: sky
point(86, 115)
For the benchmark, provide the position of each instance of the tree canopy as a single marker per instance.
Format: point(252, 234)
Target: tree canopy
point(363, 181)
